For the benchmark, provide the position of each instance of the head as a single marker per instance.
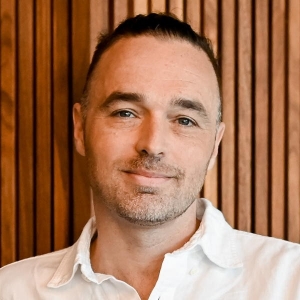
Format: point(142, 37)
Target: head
point(157, 25)
point(149, 121)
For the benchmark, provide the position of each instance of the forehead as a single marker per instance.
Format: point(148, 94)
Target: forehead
point(157, 67)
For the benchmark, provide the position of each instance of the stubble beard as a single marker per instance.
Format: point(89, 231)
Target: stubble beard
point(143, 205)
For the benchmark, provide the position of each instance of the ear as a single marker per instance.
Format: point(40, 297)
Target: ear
point(219, 135)
point(78, 129)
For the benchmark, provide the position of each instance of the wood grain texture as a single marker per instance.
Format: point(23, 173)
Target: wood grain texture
point(8, 133)
point(210, 29)
point(25, 130)
point(157, 5)
point(61, 118)
point(43, 127)
point(140, 7)
point(244, 121)
point(176, 8)
point(293, 212)
point(193, 14)
point(228, 146)
point(261, 123)
point(99, 21)
point(46, 46)
point(210, 22)
point(278, 120)
point(79, 61)
point(120, 11)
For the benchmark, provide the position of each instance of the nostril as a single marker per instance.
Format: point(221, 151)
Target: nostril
point(145, 152)
point(150, 157)
point(149, 153)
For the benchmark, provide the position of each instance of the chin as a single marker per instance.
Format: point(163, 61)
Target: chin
point(150, 212)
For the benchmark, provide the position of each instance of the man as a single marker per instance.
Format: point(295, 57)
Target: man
point(149, 126)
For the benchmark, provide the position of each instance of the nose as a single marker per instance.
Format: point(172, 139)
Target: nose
point(152, 138)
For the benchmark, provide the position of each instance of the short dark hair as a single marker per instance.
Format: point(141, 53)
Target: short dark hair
point(157, 25)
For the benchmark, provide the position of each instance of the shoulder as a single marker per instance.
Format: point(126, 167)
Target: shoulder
point(265, 244)
point(25, 275)
point(269, 254)
point(270, 265)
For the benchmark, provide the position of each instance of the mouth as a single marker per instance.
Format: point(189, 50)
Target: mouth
point(147, 178)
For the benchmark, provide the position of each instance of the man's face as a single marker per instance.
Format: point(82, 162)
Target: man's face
point(150, 132)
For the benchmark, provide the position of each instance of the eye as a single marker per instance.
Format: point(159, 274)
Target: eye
point(124, 114)
point(186, 122)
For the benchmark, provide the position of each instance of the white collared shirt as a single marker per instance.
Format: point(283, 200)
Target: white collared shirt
point(217, 263)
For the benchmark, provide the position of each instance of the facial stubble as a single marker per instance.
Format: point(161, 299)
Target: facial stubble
point(144, 205)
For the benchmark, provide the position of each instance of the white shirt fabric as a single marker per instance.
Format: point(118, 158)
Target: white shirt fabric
point(217, 263)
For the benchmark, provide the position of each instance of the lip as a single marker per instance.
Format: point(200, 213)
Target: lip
point(148, 174)
point(145, 177)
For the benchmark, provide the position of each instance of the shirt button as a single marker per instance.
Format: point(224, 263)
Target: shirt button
point(193, 271)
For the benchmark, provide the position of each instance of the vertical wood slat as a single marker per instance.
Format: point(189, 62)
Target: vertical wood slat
point(293, 212)
point(40, 167)
point(176, 7)
point(210, 29)
point(79, 60)
point(43, 171)
point(261, 102)
point(120, 11)
point(193, 14)
point(228, 149)
point(140, 7)
point(210, 22)
point(278, 119)
point(244, 115)
point(98, 21)
point(61, 130)
point(157, 5)
point(25, 133)
point(8, 132)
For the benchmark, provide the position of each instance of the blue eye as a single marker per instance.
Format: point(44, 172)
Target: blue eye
point(125, 114)
point(186, 122)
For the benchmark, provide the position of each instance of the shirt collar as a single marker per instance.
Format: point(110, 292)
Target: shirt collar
point(214, 236)
point(76, 256)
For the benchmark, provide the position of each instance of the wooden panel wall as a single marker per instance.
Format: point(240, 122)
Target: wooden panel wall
point(44, 59)
point(45, 50)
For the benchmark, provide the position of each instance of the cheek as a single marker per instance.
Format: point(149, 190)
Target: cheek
point(198, 148)
point(196, 156)
point(106, 146)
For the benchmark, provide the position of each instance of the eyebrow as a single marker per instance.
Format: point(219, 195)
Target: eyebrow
point(137, 97)
point(191, 104)
point(121, 96)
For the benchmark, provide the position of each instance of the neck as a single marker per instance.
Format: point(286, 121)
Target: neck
point(134, 253)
